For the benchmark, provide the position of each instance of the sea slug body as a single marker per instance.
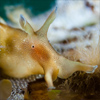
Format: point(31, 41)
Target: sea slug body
point(28, 53)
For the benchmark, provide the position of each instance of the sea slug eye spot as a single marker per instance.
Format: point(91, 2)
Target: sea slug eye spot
point(32, 46)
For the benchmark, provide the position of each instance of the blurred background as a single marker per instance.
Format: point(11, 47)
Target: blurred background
point(71, 14)
point(36, 6)
point(77, 25)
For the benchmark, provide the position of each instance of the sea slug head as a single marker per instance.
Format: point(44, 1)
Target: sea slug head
point(40, 49)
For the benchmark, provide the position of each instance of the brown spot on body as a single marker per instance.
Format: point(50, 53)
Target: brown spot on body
point(40, 53)
point(9, 45)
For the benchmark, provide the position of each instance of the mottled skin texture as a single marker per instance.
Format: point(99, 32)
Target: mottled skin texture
point(26, 53)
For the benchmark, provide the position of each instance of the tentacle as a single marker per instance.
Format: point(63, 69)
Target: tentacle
point(26, 26)
point(67, 67)
point(86, 68)
point(43, 30)
point(49, 80)
point(51, 74)
point(93, 68)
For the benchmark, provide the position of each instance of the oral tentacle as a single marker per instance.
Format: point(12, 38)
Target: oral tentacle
point(43, 30)
point(94, 68)
point(67, 67)
point(49, 80)
point(26, 26)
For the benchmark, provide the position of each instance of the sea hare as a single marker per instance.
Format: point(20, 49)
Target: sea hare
point(26, 53)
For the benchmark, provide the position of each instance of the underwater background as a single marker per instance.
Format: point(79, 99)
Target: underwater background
point(74, 34)
point(36, 6)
